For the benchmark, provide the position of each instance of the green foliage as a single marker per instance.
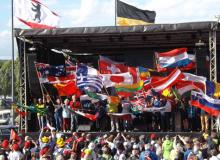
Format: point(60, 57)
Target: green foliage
point(5, 77)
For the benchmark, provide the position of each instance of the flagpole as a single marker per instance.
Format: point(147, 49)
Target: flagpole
point(12, 64)
point(116, 6)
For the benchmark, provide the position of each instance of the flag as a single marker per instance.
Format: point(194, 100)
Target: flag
point(87, 115)
point(70, 67)
point(66, 89)
point(186, 86)
point(168, 81)
point(113, 100)
point(35, 14)
point(144, 72)
point(32, 109)
point(93, 96)
point(198, 80)
point(128, 15)
point(212, 88)
point(139, 102)
point(20, 113)
point(88, 78)
point(14, 135)
point(129, 88)
point(135, 74)
point(206, 103)
point(110, 80)
point(123, 116)
point(173, 59)
point(58, 80)
point(108, 66)
point(50, 70)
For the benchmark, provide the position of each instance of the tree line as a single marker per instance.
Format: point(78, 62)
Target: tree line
point(6, 78)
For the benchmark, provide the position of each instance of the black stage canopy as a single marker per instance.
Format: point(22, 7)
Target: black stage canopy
point(113, 39)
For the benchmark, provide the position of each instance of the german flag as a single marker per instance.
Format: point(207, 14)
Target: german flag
point(128, 15)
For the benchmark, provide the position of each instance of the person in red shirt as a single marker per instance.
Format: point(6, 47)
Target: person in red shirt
point(75, 105)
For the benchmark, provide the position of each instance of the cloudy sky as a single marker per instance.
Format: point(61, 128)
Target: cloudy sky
point(77, 13)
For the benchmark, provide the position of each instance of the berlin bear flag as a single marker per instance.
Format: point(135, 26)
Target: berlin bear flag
point(35, 14)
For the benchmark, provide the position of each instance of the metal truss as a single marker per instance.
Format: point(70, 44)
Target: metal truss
point(23, 84)
point(213, 65)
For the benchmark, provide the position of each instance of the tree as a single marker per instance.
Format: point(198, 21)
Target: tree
point(5, 77)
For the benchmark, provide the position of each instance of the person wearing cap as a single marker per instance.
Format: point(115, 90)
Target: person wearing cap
point(40, 115)
point(26, 150)
point(88, 153)
point(15, 153)
point(148, 154)
point(167, 146)
point(45, 153)
point(60, 147)
point(5, 148)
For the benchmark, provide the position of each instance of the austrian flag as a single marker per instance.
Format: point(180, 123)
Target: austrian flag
point(35, 14)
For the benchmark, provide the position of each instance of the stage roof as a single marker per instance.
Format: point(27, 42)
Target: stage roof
point(115, 38)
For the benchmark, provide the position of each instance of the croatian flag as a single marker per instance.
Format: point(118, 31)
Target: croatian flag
point(88, 78)
point(206, 103)
point(177, 58)
point(35, 14)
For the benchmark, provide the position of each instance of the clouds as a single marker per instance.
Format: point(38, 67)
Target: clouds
point(91, 13)
point(177, 11)
point(5, 44)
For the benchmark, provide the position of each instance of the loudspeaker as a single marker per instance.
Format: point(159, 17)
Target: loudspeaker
point(201, 69)
point(33, 82)
point(84, 128)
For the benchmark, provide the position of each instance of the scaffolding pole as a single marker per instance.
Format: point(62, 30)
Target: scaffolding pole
point(213, 64)
point(23, 86)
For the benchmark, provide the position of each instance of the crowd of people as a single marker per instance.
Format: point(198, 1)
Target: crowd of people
point(120, 146)
point(159, 114)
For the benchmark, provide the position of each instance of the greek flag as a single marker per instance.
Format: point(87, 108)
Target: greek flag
point(88, 78)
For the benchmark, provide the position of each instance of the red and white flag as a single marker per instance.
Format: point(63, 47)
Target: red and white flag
point(168, 81)
point(186, 86)
point(87, 115)
point(110, 80)
point(108, 66)
point(35, 14)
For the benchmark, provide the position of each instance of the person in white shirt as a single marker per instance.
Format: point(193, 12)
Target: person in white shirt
point(15, 154)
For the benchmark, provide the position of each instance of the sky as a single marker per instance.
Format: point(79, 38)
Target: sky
point(81, 13)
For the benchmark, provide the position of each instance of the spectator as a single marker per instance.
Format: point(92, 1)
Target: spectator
point(66, 116)
point(167, 147)
point(58, 115)
point(41, 115)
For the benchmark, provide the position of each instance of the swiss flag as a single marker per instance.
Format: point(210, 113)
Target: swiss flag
point(108, 66)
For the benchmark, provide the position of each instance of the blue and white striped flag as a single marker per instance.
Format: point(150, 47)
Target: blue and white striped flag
point(88, 78)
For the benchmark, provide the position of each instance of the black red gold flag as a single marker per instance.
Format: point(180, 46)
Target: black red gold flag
point(128, 15)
